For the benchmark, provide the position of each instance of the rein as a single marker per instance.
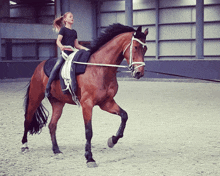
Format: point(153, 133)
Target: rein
point(65, 56)
point(103, 65)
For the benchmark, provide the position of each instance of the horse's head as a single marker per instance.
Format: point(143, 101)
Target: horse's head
point(135, 55)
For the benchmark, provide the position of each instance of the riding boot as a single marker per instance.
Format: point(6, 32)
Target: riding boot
point(73, 78)
point(52, 76)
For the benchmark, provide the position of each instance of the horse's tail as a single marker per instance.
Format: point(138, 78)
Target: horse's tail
point(40, 116)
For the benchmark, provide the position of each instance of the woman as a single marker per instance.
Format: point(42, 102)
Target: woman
point(66, 36)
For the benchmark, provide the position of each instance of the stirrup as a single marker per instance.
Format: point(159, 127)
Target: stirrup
point(47, 93)
point(74, 97)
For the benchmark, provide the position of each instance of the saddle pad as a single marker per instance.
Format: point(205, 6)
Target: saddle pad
point(49, 64)
point(81, 56)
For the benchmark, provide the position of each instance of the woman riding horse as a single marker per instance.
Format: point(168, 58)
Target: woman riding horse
point(97, 86)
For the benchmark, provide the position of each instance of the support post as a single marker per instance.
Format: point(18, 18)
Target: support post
point(98, 19)
point(8, 49)
point(4, 17)
point(157, 29)
point(57, 8)
point(65, 6)
point(58, 12)
point(95, 13)
point(199, 29)
point(4, 10)
point(0, 43)
point(129, 12)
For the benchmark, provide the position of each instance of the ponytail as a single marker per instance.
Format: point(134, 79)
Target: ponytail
point(59, 22)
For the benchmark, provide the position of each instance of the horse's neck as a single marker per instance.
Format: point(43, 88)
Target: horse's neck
point(110, 52)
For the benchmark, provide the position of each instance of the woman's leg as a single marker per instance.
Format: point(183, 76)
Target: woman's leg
point(53, 74)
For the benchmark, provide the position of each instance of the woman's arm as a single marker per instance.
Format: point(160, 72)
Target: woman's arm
point(59, 44)
point(78, 46)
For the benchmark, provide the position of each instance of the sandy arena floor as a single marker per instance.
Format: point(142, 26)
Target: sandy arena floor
point(173, 130)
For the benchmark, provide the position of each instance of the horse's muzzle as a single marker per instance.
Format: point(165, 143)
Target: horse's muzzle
point(137, 69)
point(137, 74)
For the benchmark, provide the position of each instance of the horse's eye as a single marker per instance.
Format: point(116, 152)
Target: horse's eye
point(136, 47)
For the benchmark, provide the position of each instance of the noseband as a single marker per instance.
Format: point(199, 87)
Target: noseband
point(131, 63)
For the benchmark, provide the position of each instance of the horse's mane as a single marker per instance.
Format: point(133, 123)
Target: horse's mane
point(108, 34)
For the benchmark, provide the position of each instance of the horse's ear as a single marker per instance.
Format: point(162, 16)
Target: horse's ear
point(146, 31)
point(139, 29)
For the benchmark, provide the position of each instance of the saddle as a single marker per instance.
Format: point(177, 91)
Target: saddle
point(68, 71)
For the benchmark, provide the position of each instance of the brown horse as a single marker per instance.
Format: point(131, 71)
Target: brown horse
point(97, 86)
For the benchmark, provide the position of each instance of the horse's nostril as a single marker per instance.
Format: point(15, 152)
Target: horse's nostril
point(137, 75)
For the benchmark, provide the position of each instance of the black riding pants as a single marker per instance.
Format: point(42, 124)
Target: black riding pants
point(55, 71)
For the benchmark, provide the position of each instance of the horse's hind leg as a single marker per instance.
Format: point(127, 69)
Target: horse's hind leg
point(112, 107)
point(57, 108)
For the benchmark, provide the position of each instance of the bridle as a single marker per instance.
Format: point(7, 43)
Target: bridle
point(131, 63)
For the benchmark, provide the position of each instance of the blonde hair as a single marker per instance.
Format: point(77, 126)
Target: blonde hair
point(59, 22)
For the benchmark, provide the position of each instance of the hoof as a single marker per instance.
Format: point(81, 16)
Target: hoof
point(59, 156)
point(92, 164)
point(24, 148)
point(56, 151)
point(110, 143)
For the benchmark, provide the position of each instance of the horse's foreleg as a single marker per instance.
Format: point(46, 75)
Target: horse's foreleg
point(87, 115)
point(112, 107)
point(114, 139)
point(57, 108)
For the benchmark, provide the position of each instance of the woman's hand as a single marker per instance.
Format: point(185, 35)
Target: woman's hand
point(78, 46)
point(62, 47)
